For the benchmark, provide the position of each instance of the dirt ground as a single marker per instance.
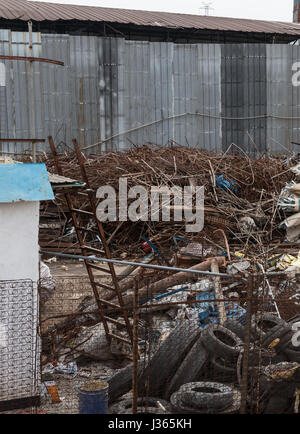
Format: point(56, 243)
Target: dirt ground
point(72, 286)
point(69, 384)
point(73, 268)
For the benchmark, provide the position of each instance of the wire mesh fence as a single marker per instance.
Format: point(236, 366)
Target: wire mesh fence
point(192, 351)
point(242, 359)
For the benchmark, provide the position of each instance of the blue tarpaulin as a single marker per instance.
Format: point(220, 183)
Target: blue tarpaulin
point(208, 313)
point(24, 182)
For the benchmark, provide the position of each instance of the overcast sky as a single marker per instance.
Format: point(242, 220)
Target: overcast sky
point(278, 10)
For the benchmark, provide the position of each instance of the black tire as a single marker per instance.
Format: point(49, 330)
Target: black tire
point(276, 405)
point(259, 358)
point(294, 319)
point(279, 332)
point(235, 327)
point(240, 330)
point(292, 355)
point(263, 322)
point(145, 405)
point(222, 369)
point(190, 368)
point(285, 341)
point(220, 341)
point(180, 408)
point(121, 382)
point(169, 357)
point(206, 395)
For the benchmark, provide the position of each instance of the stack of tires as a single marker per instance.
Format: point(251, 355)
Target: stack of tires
point(200, 370)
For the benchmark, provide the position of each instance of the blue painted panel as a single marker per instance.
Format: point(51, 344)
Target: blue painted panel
point(24, 182)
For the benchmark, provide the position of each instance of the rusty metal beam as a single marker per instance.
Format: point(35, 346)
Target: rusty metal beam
point(245, 369)
point(32, 59)
point(22, 140)
point(135, 345)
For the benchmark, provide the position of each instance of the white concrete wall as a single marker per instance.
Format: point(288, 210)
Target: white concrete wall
point(19, 223)
point(19, 261)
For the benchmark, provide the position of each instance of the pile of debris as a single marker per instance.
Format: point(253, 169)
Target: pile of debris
point(194, 342)
point(241, 194)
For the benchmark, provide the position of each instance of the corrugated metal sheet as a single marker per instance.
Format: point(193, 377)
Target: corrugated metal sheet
point(41, 11)
point(110, 86)
point(165, 80)
point(244, 95)
point(283, 98)
point(17, 98)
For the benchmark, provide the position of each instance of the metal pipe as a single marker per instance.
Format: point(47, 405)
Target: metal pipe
point(220, 305)
point(270, 289)
point(245, 372)
point(226, 243)
point(136, 264)
point(32, 92)
point(135, 349)
point(165, 294)
point(296, 12)
point(32, 59)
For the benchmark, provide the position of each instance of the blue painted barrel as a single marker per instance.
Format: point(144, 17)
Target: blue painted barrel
point(93, 398)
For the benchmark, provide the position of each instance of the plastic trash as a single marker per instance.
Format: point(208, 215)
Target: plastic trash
point(226, 185)
point(238, 267)
point(286, 261)
point(60, 368)
point(47, 284)
point(247, 225)
point(52, 389)
point(208, 313)
point(296, 170)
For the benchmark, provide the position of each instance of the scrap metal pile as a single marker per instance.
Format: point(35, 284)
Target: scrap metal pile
point(241, 193)
point(194, 345)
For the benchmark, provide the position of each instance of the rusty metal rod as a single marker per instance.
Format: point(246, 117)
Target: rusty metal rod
point(32, 59)
point(22, 141)
point(219, 294)
point(135, 345)
point(137, 264)
point(159, 267)
point(244, 384)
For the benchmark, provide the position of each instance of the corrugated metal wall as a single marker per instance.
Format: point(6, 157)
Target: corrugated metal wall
point(244, 95)
point(111, 85)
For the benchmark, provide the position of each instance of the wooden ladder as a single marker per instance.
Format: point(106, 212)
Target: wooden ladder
point(102, 304)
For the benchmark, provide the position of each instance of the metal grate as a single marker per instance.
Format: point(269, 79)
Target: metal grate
point(19, 341)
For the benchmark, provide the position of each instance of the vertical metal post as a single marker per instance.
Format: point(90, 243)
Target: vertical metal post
point(244, 383)
point(81, 113)
point(135, 348)
point(31, 74)
point(220, 305)
point(296, 12)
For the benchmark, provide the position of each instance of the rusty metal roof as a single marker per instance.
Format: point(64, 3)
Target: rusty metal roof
point(44, 11)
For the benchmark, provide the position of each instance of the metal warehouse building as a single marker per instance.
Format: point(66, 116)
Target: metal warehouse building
point(117, 77)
